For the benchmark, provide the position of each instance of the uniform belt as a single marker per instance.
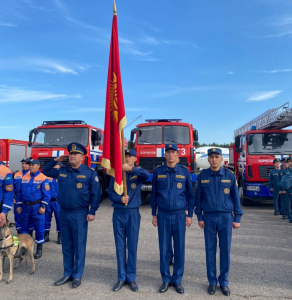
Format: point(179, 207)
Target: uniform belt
point(32, 202)
point(172, 212)
point(125, 210)
point(54, 199)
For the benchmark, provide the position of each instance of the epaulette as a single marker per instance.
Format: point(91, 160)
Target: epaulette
point(183, 166)
point(202, 170)
point(157, 167)
point(229, 171)
point(92, 169)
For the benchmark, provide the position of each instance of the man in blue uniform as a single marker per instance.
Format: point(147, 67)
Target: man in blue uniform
point(79, 197)
point(274, 179)
point(218, 211)
point(16, 184)
point(6, 193)
point(126, 221)
point(53, 207)
point(31, 201)
point(172, 193)
point(285, 188)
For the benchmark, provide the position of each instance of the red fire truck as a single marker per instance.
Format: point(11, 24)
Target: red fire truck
point(151, 138)
point(12, 151)
point(51, 139)
point(257, 144)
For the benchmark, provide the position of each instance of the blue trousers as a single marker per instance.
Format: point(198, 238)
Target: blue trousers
point(53, 207)
point(275, 198)
point(171, 227)
point(287, 204)
point(30, 217)
point(218, 224)
point(73, 228)
point(17, 218)
point(126, 225)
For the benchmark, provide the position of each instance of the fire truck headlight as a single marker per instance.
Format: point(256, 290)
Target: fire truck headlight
point(253, 188)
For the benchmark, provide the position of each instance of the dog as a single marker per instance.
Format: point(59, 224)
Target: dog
point(7, 248)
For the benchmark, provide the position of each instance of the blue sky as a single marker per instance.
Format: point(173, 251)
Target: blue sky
point(215, 64)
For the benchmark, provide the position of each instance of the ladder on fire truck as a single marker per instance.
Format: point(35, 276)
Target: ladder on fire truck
point(276, 118)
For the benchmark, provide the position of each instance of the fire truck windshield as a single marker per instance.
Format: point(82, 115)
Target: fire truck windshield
point(176, 135)
point(172, 135)
point(60, 137)
point(270, 143)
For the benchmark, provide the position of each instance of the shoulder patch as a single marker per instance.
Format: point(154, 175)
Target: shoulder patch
point(157, 167)
point(183, 166)
point(229, 171)
point(92, 169)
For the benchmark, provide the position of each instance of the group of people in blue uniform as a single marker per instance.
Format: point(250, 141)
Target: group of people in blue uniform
point(280, 183)
point(30, 191)
point(173, 202)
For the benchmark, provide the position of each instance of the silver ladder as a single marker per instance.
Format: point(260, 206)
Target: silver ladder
point(276, 118)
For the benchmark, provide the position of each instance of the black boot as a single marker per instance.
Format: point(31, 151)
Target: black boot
point(39, 251)
point(31, 233)
point(59, 241)
point(18, 232)
point(47, 236)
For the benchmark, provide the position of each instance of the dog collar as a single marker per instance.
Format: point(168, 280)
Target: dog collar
point(8, 236)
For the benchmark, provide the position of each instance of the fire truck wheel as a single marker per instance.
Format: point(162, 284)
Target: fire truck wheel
point(242, 196)
point(144, 197)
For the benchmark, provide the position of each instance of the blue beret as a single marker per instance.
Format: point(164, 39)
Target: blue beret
point(171, 147)
point(214, 150)
point(34, 161)
point(276, 160)
point(284, 159)
point(76, 148)
point(130, 152)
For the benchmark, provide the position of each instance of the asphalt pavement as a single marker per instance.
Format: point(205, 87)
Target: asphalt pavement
point(261, 262)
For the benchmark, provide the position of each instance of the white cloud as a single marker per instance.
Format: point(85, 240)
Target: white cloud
point(281, 34)
point(230, 73)
point(5, 127)
point(264, 96)
point(5, 24)
point(83, 24)
point(19, 95)
point(44, 65)
point(275, 71)
point(155, 42)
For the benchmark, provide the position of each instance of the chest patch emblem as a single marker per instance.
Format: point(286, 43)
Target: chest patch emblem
point(179, 185)
point(96, 179)
point(47, 187)
point(133, 185)
point(226, 191)
point(79, 185)
point(9, 188)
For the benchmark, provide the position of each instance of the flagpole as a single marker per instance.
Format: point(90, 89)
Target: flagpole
point(123, 162)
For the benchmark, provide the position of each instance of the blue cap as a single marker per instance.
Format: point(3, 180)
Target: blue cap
point(284, 159)
point(171, 147)
point(214, 150)
point(276, 160)
point(76, 148)
point(26, 160)
point(130, 152)
point(35, 161)
point(2, 163)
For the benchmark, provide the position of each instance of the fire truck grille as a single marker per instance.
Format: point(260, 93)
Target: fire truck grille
point(45, 160)
point(265, 171)
point(150, 163)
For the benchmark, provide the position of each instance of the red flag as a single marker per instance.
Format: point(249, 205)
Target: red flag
point(115, 118)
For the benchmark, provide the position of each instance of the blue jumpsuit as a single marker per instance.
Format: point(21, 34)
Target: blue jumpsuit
point(126, 223)
point(218, 205)
point(274, 179)
point(6, 189)
point(79, 195)
point(286, 198)
point(172, 192)
point(53, 207)
point(34, 192)
point(16, 184)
